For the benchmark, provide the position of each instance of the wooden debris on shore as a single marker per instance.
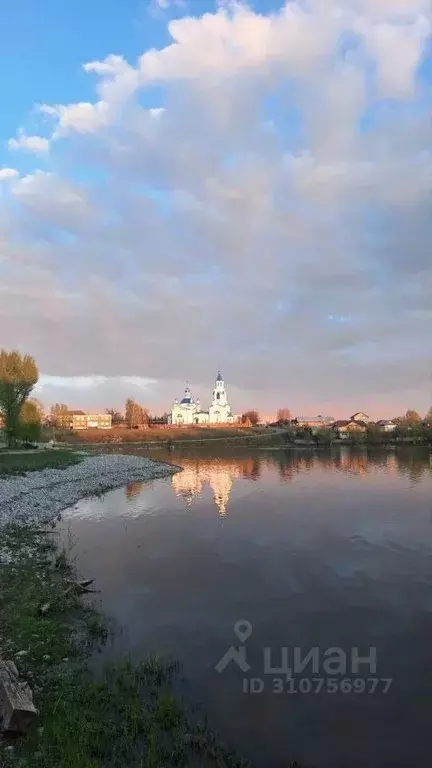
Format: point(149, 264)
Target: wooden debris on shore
point(78, 587)
point(17, 711)
point(81, 587)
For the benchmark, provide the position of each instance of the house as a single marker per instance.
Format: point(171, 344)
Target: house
point(346, 427)
point(315, 422)
point(360, 416)
point(81, 420)
point(387, 425)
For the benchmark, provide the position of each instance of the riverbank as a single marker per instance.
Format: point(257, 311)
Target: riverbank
point(19, 462)
point(41, 495)
point(128, 715)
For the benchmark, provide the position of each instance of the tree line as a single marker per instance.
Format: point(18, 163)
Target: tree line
point(23, 416)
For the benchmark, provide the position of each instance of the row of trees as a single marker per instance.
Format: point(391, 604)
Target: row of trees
point(135, 415)
point(413, 419)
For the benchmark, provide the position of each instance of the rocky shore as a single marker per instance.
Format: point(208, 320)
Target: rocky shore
point(38, 497)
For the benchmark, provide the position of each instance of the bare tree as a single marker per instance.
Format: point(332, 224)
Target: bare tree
point(135, 414)
point(59, 415)
point(283, 414)
point(18, 376)
point(116, 416)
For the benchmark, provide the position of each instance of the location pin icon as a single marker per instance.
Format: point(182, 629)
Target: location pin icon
point(243, 630)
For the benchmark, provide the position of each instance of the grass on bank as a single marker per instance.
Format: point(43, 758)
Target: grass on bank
point(19, 463)
point(126, 718)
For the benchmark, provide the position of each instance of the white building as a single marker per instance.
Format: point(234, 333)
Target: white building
point(387, 425)
point(188, 410)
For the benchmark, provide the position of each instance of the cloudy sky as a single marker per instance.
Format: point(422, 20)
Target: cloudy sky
point(193, 185)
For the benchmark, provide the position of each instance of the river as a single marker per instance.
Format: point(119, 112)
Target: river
point(258, 552)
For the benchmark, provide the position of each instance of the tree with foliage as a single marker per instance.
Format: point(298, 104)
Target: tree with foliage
point(116, 416)
point(375, 435)
point(428, 418)
point(30, 422)
point(323, 435)
point(39, 407)
point(18, 376)
point(250, 417)
point(412, 418)
point(59, 415)
point(283, 414)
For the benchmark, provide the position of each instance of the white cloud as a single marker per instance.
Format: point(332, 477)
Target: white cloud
point(224, 43)
point(159, 8)
point(82, 117)
point(119, 79)
point(8, 173)
point(36, 144)
point(53, 199)
point(397, 51)
point(394, 8)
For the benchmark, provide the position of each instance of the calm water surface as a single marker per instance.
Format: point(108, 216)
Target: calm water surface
point(313, 551)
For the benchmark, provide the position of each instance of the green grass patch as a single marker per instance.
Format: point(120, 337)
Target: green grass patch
point(125, 717)
point(19, 463)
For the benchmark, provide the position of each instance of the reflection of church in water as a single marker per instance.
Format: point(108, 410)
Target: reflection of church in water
point(190, 483)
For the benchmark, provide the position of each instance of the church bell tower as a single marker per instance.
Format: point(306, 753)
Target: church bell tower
point(219, 394)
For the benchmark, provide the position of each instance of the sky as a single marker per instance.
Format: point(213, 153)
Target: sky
point(188, 186)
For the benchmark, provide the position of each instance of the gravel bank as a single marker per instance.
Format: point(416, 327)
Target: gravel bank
point(40, 496)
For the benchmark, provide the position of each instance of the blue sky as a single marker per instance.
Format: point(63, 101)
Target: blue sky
point(246, 188)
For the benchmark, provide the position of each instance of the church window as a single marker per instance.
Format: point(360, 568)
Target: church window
point(218, 395)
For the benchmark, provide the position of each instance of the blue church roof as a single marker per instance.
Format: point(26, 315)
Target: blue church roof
point(219, 377)
point(186, 400)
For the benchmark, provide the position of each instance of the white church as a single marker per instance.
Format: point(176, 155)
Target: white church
point(188, 410)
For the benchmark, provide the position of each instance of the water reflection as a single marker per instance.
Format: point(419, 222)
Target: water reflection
point(220, 474)
point(133, 490)
point(317, 550)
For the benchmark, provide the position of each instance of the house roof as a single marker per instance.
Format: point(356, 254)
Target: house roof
point(359, 413)
point(347, 422)
point(384, 422)
point(323, 419)
point(76, 413)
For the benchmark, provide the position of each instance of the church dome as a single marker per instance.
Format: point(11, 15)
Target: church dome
point(186, 401)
